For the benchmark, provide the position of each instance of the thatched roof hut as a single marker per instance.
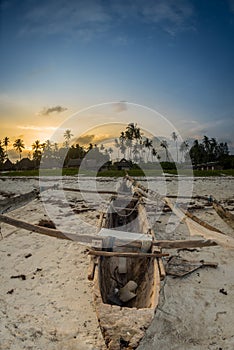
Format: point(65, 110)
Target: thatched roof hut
point(25, 164)
point(8, 165)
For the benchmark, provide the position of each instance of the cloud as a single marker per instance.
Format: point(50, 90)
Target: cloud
point(231, 5)
point(92, 138)
point(48, 111)
point(86, 139)
point(195, 129)
point(120, 106)
point(80, 18)
point(86, 20)
point(37, 128)
point(172, 16)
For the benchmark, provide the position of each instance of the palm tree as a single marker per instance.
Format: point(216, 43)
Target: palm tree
point(207, 147)
point(129, 139)
point(135, 152)
point(123, 149)
point(2, 154)
point(37, 147)
point(90, 147)
point(164, 145)
point(110, 151)
point(174, 138)
point(102, 147)
point(19, 145)
point(67, 135)
point(117, 145)
point(148, 144)
point(6, 142)
point(56, 149)
point(122, 140)
point(132, 133)
point(153, 153)
point(47, 149)
point(198, 153)
point(213, 149)
point(184, 148)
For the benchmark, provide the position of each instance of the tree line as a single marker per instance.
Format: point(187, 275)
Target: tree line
point(131, 144)
point(209, 150)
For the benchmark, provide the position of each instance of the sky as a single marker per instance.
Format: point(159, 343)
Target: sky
point(81, 64)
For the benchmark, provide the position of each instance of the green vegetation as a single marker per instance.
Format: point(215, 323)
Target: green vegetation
point(119, 173)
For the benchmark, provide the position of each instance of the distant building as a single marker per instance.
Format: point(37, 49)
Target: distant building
point(209, 166)
point(74, 163)
point(8, 165)
point(25, 164)
point(105, 166)
point(123, 164)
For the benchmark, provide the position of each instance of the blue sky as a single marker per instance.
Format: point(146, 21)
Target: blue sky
point(174, 56)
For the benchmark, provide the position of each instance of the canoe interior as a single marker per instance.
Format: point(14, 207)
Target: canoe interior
point(139, 270)
point(128, 215)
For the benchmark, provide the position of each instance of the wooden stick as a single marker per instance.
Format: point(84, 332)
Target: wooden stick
point(161, 269)
point(35, 228)
point(226, 215)
point(201, 222)
point(184, 243)
point(92, 240)
point(209, 263)
point(88, 191)
point(92, 267)
point(126, 255)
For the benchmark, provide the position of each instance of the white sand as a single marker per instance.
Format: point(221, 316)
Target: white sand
point(53, 307)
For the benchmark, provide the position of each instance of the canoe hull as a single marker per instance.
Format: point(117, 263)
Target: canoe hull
point(123, 322)
point(124, 327)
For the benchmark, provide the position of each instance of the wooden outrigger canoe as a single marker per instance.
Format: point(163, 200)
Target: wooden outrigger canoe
point(126, 280)
point(129, 265)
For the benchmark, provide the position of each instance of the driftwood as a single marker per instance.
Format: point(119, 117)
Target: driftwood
point(179, 267)
point(9, 204)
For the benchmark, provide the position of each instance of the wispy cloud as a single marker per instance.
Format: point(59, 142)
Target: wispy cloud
point(120, 106)
point(37, 128)
point(47, 111)
point(87, 19)
point(92, 138)
point(172, 15)
point(79, 18)
point(231, 4)
point(195, 129)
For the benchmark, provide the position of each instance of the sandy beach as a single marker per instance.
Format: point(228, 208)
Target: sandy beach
point(46, 300)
